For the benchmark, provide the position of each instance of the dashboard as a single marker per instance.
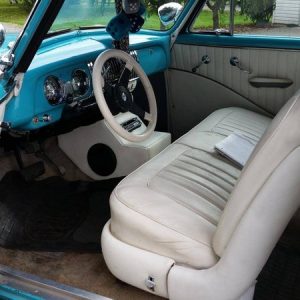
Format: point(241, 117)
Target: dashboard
point(75, 86)
point(60, 76)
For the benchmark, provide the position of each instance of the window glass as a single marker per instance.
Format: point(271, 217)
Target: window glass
point(13, 15)
point(269, 17)
point(78, 13)
point(214, 15)
point(251, 17)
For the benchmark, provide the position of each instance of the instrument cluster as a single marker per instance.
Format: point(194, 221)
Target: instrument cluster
point(79, 87)
point(58, 91)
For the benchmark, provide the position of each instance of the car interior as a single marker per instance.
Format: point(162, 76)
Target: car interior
point(160, 164)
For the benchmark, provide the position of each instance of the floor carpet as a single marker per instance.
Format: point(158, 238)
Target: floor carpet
point(82, 270)
point(53, 214)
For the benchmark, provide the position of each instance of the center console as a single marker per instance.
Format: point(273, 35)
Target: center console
point(102, 154)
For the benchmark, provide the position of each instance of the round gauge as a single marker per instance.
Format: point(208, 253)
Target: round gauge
point(80, 83)
point(52, 90)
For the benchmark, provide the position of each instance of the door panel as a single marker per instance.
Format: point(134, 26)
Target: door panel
point(219, 84)
point(193, 97)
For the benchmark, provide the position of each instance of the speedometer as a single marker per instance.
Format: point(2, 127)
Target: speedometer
point(80, 83)
point(53, 90)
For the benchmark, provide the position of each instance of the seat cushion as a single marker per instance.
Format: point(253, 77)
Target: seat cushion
point(222, 123)
point(172, 205)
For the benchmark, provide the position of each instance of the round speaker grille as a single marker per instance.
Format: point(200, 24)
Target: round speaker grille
point(102, 159)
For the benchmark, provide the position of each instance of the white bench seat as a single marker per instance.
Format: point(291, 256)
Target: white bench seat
point(189, 224)
point(173, 203)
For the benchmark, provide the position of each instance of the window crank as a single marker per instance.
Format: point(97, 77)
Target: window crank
point(204, 61)
point(235, 62)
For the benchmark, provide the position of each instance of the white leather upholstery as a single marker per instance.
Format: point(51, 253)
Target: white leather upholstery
point(121, 256)
point(277, 146)
point(251, 242)
point(223, 122)
point(172, 205)
point(217, 223)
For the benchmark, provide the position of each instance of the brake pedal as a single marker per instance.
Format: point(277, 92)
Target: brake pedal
point(33, 171)
point(58, 169)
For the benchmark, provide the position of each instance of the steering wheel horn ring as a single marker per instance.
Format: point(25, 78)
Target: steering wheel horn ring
point(123, 96)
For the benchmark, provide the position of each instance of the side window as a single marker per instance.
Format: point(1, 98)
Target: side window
point(270, 17)
point(13, 15)
point(250, 17)
point(215, 15)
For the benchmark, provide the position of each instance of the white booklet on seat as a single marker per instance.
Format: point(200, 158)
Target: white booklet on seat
point(236, 148)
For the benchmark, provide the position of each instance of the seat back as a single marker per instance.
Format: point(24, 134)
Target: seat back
point(267, 193)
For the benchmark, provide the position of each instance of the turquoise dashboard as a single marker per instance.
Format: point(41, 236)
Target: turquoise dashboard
point(67, 60)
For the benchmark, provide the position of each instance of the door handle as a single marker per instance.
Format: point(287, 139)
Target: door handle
point(267, 82)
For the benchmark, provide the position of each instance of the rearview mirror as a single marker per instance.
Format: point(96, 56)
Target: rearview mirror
point(2, 34)
point(169, 12)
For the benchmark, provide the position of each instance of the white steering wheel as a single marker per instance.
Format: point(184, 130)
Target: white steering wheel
point(124, 95)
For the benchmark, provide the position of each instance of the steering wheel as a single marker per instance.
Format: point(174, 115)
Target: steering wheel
point(124, 97)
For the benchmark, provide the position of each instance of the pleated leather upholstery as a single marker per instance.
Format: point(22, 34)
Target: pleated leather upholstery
point(172, 205)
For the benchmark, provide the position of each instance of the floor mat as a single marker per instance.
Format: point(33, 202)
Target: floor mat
point(53, 214)
point(280, 277)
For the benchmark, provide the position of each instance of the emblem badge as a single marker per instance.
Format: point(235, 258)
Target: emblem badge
point(124, 98)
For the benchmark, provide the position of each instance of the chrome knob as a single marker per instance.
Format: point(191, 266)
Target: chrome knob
point(204, 61)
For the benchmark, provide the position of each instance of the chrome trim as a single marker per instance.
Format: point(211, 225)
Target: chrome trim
point(87, 94)
point(175, 34)
point(38, 286)
point(231, 29)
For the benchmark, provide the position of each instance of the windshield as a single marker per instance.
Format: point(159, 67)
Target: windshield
point(89, 13)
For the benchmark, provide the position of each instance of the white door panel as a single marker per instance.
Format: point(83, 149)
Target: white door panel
point(262, 62)
point(192, 98)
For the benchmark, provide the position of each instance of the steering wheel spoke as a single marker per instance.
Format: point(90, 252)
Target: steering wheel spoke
point(135, 109)
point(125, 76)
point(148, 117)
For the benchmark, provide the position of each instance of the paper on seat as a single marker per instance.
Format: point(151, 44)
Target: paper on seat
point(237, 148)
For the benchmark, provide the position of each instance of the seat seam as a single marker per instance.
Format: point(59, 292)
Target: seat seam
point(150, 178)
point(186, 134)
point(208, 171)
point(236, 129)
point(258, 129)
point(203, 177)
point(205, 186)
point(243, 128)
point(230, 113)
point(209, 164)
point(257, 121)
point(198, 195)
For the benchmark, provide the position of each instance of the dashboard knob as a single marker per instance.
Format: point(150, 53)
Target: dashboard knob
point(47, 118)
